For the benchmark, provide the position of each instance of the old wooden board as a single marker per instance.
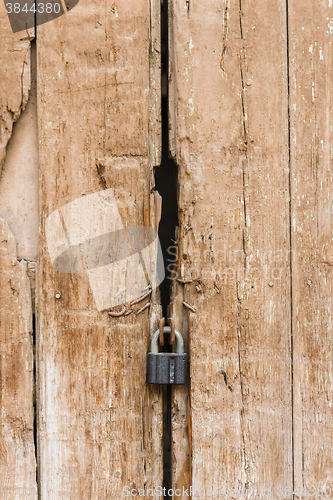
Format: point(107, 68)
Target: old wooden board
point(311, 102)
point(17, 451)
point(15, 77)
point(100, 425)
point(229, 136)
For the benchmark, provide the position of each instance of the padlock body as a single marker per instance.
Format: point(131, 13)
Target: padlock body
point(167, 368)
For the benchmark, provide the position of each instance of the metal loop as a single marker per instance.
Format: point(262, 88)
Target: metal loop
point(167, 329)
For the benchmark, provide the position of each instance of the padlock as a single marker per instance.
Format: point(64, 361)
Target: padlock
point(167, 367)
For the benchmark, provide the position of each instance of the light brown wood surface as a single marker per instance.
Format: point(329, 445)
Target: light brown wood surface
point(100, 425)
point(250, 118)
point(311, 141)
point(17, 452)
point(229, 136)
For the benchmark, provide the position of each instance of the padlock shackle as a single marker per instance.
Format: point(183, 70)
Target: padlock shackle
point(167, 329)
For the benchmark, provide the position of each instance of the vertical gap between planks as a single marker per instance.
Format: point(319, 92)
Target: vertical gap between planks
point(34, 308)
point(31, 271)
point(290, 252)
point(290, 259)
point(180, 419)
point(166, 184)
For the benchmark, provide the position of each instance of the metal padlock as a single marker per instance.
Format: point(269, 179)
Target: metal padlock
point(167, 367)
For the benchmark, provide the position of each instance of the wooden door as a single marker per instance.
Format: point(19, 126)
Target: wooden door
point(249, 97)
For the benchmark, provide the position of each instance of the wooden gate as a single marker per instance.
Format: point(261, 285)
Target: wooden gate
point(249, 92)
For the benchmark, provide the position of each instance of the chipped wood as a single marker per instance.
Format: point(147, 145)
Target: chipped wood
point(17, 450)
point(15, 80)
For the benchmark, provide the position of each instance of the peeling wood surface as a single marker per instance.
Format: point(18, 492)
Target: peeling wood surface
point(100, 425)
point(17, 453)
point(19, 178)
point(229, 136)
point(15, 77)
point(311, 103)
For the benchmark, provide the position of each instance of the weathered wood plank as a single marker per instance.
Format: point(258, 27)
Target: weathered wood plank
point(229, 115)
point(100, 425)
point(15, 77)
point(311, 102)
point(17, 452)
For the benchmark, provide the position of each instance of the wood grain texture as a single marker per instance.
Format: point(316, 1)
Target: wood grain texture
point(311, 102)
point(100, 425)
point(155, 124)
point(181, 435)
point(17, 452)
point(229, 136)
point(15, 77)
